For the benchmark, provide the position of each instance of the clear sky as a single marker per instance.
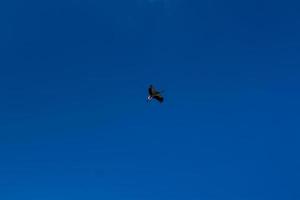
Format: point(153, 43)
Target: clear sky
point(75, 124)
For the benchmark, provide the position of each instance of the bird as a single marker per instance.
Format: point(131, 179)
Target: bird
point(154, 94)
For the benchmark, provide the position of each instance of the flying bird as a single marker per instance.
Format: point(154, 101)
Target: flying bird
point(154, 94)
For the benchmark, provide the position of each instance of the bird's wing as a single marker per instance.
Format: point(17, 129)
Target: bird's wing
point(152, 90)
point(159, 98)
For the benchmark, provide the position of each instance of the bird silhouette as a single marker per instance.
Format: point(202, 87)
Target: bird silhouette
point(154, 94)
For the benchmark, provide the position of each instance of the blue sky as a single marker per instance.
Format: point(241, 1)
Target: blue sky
point(74, 122)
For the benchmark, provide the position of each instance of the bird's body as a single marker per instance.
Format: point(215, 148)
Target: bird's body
point(154, 94)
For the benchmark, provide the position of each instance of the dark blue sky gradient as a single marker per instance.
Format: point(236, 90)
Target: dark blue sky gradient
point(74, 122)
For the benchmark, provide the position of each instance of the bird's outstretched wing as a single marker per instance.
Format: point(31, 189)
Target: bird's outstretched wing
point(159, 98)
point(152, 90)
